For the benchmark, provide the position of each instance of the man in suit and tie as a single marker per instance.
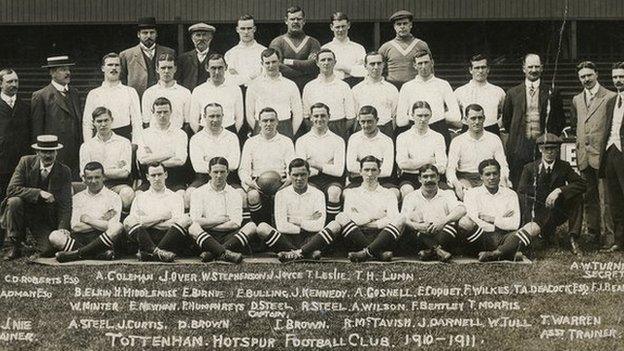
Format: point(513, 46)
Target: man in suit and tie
point(56, 109)
point(551, 192)
point(14, 128)
point(138, 63)
point(192, 65)
point(612, 164)
point(531, 108)
point(38, 198)
point(588, 116)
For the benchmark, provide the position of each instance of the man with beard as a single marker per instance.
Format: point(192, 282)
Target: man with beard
point(121, 100)
point(432, 215)
point(531, 108)
point(38, 198)
point(349, 55)
point(399, 52)
point(192, 64)
point(588, 114)
point(242, 59)
point(56, 110)
point(14, 129)
point(297, 49)
point(138, 63)
point(95, 224)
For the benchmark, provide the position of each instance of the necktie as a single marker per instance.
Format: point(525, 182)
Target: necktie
point(65, 91)
point(531, 90)
point(12, 102)
point(44, 174)
point(619, 101)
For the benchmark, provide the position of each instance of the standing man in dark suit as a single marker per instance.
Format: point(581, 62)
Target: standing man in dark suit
point(138, 63)
point(14, 128)
point(551, 192)
point(588, 116)
point(38, 198)
point(192, 65)
point(531, 108)
point(612, 164)
point(56, 109)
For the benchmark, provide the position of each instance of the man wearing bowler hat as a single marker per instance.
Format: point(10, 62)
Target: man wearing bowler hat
point(38, 198)
point(138, 63)
point(56, 109)
point(192, 65)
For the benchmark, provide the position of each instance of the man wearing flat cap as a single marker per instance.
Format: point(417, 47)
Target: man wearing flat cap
point(192, 65)
point(38, 198)
point(56, 109)
point(399, 52)
point(138, 63)
point(551, 192)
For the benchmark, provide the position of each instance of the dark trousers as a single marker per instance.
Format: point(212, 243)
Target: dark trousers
point(597, 204)
point(614, 172)
point(20, 215)
point(549, 219)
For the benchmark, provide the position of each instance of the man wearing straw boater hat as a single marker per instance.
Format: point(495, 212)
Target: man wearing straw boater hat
point(56, 109)
point(38, 198)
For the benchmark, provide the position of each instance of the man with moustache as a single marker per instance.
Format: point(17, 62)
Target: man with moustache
point(221, 90)
point(432, 215)
point(168, 87)
point(38, 198)
point(531, 108)
point(333, 92)
point(14, 129)
point(138, 63)
point(121, 100)
point(56, 109)
point(374, 90)
point(242, 59)
point(588, 115)
point(479, 91)
point(399, 52)
point(192, 64)
point(297, 49)
point(349, 55)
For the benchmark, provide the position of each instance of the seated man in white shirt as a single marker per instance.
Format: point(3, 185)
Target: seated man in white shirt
point(493, 218)
point(165, 144)
point(369, 226)
point(114, 152)
point(299, 212)
point(417, 147)
point(469, 149)
point(432, 215)
point(95, 224)
point(325, 153)
point(157, 222)
point(217, 216)
point(267, 151)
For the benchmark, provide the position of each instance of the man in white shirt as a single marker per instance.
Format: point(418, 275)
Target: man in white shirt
point(469, 149)
point(217, 216)
point(299, 212)
point(122, 100)
point(157, 223)
point(479, 91)
point(437, 92)
point(432, 215)
point(493, 218)
point(167, 87)
point(374, 90)
point(417, 147)
point(221, 90)
point(163, 143)
point(242, 59)
point(95, 224)
point(267, 151)
point(114, 152)
point(349, 55)
point(325, 153)
point(333, 92)
point(277, 92)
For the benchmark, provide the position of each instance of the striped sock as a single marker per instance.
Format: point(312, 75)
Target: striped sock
point(210, 244)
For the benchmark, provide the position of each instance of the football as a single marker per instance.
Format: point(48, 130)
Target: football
point(269, 182)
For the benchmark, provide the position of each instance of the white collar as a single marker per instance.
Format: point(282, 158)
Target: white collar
point(593, 91)
point(202, 53)
point(345, 42)
point(8, 98)
point(59, 87)
point(42, 167)
point(548, 166)
point(145, 48)
point(106, 84)
point(535, 84)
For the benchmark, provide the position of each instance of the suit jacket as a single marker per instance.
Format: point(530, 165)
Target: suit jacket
point(590, 124)
point(562, 176)
point(15, 134)
point(610, 106)
point(24, 184)
point(53, 113)
point(514, 114)
point(187, 68)
point(133, 71)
